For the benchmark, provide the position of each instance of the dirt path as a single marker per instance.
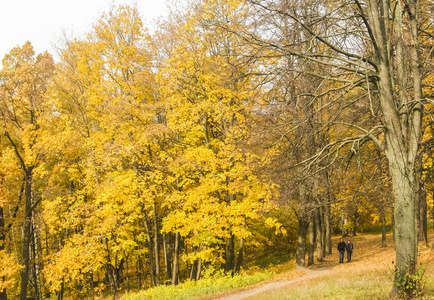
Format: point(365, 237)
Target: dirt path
point(367, 255)
point(309, 274)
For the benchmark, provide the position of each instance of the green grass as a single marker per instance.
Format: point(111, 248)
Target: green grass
point(369, 277)
point(345, 284)
point(273, 261)
point(205, 286)
point(360, 287)
point(364, 285)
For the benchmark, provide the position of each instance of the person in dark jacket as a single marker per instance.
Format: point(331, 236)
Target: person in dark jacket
point(341, 248)
point(349, 250)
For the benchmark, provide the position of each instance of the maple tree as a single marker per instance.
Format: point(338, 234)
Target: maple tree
point(214, 193)
point(24, 80)
point(104, 94)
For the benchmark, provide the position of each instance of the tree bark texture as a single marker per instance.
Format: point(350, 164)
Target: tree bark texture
point(240, 251)
point(176, 261)
point(303, 223)
point(383, 226)
point(150, 247)
point(230, 253)
point(156, 248)
point(167, 256)
point(318, 235)
point(328, 235)
point(3, 294)
point(27, 234)
point(311, 240)
point(35, 250)
point(423, 219)
point(402, 126)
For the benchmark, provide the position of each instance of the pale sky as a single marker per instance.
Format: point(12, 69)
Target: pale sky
point(42, 22)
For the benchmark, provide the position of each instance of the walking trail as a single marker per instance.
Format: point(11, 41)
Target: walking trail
point(366, 256)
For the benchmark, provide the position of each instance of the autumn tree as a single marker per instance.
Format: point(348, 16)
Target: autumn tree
point(24, 80)
point(215, 191)
point(371, 47)
point(103, 103)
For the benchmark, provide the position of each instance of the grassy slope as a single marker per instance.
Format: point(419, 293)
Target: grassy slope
point(367, 276)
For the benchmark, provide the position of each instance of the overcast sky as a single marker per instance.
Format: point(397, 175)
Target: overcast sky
point(42, 21)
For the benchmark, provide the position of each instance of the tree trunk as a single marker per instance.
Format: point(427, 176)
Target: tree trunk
point(193, 270)
point(156, 248)
point(356, 218)
point(318, 235)
point(91, 285)
point(323, 231)
point(343, 222)
point(62, 288)
point(230, 253)
point(393, 226)
point(328, 235)
point(300, 256)
point(150, 248)
point(423, 222)
point(318, 223)
point(402, 136)
point(167, 255)
point(3, 294)
point(35, 248)
point(127, 275)
point(141, 273)
point(303, 225)
point(199, 264)
point(406, 250)
point(176, 261)
point(383, 227)
point(111, 274)
point(311, 240)
point(240, 250)
point(240, 254)
point(418, 199)
point(27, 235)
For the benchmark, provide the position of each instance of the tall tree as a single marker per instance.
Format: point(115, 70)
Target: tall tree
point(356, 43)
point(24, 79)
point(102, 125)
point(208, 93)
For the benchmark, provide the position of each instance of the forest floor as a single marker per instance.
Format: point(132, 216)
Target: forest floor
point(368, 258)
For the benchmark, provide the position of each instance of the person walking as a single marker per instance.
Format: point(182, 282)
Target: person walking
point(341, 248)
point(350, 248)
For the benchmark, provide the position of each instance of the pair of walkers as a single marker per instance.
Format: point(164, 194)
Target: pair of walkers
point(342, 247)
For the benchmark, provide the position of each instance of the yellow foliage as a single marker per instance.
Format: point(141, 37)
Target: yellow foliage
point(9, 269)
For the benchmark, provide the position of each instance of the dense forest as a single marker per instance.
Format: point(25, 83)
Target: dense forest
point(236, 130)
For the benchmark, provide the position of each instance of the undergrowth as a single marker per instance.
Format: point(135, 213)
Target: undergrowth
point(212, 282)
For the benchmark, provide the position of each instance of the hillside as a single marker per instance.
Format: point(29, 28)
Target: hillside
point(367, 276)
